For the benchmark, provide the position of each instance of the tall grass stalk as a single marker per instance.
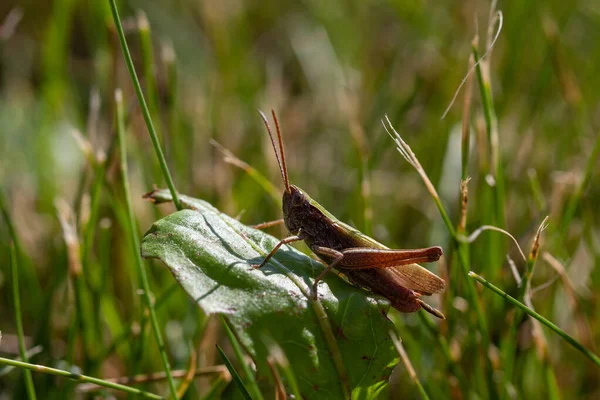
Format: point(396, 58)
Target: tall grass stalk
point(99, 168)
point(144, 106)
point(83, 312)
point(575, 199)
point(495, 171)
point(538, 334)
point(252, 172)
point(136, 242)
point(30, 280)
point(509, 345)
point(408, 365)
point(237, 349)
point(453, 366)
point(569, 339)
point(466, 121)
point(89, 227)
point(236, 377)
point(406, 152)
point(18, 319)
point(279, 358)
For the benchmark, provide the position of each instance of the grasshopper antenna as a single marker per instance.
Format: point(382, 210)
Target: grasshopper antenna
point(281, 162)
point(281, 152)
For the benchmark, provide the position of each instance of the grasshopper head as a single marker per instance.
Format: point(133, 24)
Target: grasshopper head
point(294, 200)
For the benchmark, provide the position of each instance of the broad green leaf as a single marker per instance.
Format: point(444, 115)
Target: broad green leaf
point(210, 253)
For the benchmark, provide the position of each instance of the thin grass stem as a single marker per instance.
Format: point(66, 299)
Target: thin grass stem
point(30, 279)
point(462, 252)
point(593, 357)
point(154, 377)
point(453, 366)
point(575, 199)
point(491, 123)
point(78, 377)
point(252, 172)
point(237, 349)
point(466, 125)
point(408, 365)
point(279, 357)
point(19, 321)
point(214, 392)
point(136, 243)
point(143, 105)
point(236, 377)
point(510, 342)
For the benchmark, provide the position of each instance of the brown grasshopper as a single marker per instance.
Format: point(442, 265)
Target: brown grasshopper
point(393, 274)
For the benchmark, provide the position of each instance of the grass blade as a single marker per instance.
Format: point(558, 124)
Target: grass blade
point(280, 359)
point(453, 366)
point(240, 356)
point(136, 242)
point(590, 167)
point(143, 105)
point(234, 374)
point(259, 178)
point(462, 252)
point(595, 359)
point(408, 365)
point(78, 377)
point(19, 322)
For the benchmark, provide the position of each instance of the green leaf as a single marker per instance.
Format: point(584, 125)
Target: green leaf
point(210, 253)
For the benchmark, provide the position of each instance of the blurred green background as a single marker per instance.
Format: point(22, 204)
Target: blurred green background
point(331, 70)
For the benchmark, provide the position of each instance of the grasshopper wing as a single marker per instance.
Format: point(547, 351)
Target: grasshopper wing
point(417, 278)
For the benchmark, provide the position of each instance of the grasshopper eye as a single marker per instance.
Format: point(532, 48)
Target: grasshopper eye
point(297, 198)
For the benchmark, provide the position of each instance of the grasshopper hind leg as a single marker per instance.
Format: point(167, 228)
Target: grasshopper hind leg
point(431, 310)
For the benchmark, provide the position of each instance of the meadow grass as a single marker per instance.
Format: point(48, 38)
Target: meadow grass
point(94, 109)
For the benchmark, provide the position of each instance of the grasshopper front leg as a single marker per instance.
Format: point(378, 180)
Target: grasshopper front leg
point(268, 224)
point(287, 240)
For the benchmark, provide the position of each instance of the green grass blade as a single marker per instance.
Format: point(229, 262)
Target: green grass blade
point(569, 339)
point(136, 243)
point(240, 356)
point(30, 280)
point(78, 377)
point(234, 374)
point(19, 322)
point(462, 252)
point(453, 366)
point(590, 167)
point(408, 365)
point(259, 178)
point(283, 363)
point(216, 388)
point(143, 105)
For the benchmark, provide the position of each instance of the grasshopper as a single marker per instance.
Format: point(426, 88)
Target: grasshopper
point(393, 274)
